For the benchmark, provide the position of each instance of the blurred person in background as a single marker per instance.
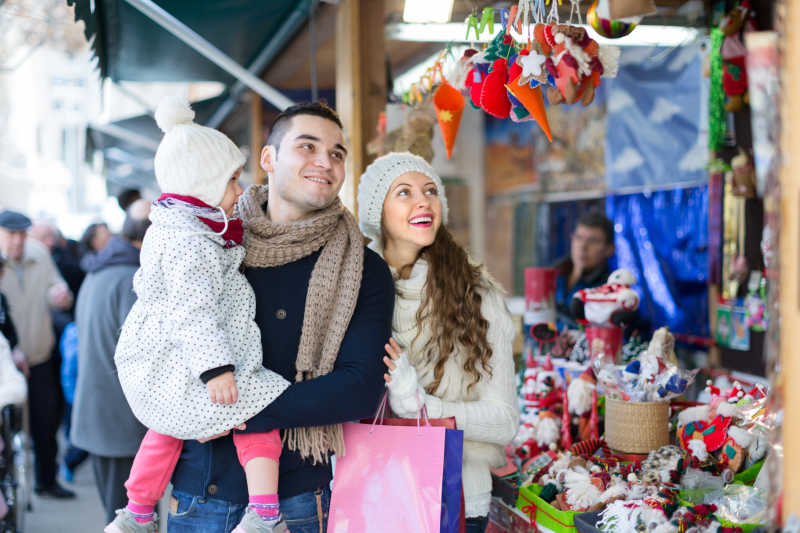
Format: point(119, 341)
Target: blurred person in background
point(33, 285)
point(102, 421)
point(66, 254)
point(94, 238)
point(591, 248)
point(127, 197)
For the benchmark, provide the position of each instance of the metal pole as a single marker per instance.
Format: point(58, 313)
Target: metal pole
point(264, 58)
point(126, 135)
point(214, 54)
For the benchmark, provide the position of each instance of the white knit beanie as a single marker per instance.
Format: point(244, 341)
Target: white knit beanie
point(375, 183)
point(193, 160)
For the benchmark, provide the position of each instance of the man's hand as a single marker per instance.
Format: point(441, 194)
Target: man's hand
point(21, 361)
point(60, 296)
point(222, 389)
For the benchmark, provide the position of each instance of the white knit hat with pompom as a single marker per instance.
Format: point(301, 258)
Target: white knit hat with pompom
point(193, 160)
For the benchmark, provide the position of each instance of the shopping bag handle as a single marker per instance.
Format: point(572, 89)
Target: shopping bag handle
point(421, 412)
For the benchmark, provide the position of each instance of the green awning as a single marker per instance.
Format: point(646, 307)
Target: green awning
point(131, 47)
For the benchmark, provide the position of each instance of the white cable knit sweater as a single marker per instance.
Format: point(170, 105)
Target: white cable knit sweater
point(488, 414)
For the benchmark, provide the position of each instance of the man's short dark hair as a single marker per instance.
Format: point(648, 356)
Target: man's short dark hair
point(284, 119)
point(127, 197)
point(596, 219)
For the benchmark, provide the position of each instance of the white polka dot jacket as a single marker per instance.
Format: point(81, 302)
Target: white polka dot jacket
point(194, 312)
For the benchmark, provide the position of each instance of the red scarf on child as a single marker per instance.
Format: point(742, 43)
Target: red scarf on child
point(233, 235)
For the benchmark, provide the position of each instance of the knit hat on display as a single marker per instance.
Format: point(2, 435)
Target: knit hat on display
point(375, 183)
point(193, 160)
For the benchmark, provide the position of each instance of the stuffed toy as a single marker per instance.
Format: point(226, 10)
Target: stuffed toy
point(734, 54)
point(415, 136)
point(611, 304)
point(743, 175)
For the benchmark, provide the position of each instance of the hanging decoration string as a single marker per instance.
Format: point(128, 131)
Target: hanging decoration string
point(552, 17)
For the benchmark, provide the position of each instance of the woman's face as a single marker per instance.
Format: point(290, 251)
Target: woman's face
point(101, 236)
point(412, 211)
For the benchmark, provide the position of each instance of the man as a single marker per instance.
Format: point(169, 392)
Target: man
point(66, 255)
point(102, 421)
point(33, 285)
point(324, 307)
point(587, 266)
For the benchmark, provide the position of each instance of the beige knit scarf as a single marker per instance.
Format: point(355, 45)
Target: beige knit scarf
point(330, 300)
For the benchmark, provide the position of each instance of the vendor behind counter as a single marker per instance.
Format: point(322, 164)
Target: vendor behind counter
point(591, 248)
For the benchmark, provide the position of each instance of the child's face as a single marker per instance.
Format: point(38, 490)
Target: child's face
point(232, 193)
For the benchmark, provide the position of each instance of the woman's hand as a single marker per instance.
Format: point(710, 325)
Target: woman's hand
point(394, 351)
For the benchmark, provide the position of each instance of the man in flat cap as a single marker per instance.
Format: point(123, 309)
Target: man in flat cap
point(32, 284)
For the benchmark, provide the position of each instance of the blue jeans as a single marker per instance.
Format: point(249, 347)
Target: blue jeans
point(477, 525)
point(208, 515)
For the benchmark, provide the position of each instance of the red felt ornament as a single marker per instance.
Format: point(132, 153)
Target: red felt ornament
point(494, 97)
point(566, 435)
point(474, 83)
point(594, 432)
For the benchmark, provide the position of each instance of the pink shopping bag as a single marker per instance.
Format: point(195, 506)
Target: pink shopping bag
point(389, 480)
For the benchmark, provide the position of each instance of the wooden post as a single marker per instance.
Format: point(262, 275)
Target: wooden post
point(360, 83)
point(256, 138)
point(790, 258)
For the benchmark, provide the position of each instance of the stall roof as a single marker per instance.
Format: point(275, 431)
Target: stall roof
point(131, 47)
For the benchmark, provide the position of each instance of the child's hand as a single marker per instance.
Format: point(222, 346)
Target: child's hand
point(222, 389)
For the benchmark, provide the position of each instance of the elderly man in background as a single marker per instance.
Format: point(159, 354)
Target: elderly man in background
point(102, 422)
point(33, 285)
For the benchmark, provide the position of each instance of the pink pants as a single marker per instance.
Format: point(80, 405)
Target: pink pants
point(158, 454)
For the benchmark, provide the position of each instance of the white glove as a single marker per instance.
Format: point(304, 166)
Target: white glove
point(406, 395)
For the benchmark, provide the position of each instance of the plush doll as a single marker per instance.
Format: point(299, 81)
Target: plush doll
point(743, 175)
point(608, 305)
point(415, 136)
point(734, 54)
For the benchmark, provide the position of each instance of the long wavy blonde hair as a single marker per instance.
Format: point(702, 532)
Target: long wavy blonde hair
point(451, 306)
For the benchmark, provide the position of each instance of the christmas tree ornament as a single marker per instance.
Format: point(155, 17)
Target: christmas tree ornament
point(566, 435)
point(449, 105)
point(475, 80)
point(606, 26)
point(494, 97)
point(533, 101)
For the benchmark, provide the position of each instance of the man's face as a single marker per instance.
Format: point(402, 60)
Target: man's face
point(589, 247)
point(307, 170)
point(12, 243)
point(44, 234)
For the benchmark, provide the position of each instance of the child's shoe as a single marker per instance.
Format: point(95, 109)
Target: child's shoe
point(253, 523)
point(125, 522)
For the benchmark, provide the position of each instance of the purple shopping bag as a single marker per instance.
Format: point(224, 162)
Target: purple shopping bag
point(390, 480)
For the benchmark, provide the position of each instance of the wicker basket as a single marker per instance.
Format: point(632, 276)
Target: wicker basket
point(636, 427)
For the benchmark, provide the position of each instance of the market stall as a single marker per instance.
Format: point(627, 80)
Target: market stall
point(678, 145)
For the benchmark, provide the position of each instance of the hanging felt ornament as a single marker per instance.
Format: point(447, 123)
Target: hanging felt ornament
point(518, 112)
point(449, 104)
point(533, 102)
point(475, 80)
point(494, 98)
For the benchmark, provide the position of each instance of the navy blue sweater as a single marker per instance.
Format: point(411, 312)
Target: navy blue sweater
point(350, 392)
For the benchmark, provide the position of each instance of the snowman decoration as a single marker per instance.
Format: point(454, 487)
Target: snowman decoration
point(609, 305)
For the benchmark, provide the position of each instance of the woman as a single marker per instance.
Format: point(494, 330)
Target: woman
point(450, 318)
point(95, 238)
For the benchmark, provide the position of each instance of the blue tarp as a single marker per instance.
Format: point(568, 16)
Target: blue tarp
point(662, 237)
point(656, 131)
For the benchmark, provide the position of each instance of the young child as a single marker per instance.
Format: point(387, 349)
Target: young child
point(189, 356)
